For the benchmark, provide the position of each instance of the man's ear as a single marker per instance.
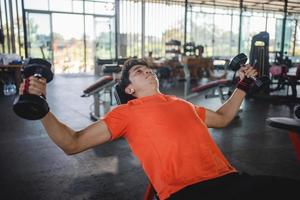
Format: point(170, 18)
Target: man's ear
point(129, 90)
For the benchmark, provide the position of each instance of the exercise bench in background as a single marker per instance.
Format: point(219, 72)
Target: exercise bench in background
point(216, 85)
point(290, 124)
point(102, 88)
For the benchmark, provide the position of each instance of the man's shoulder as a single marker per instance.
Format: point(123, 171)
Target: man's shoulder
point(179, 100)
point(176, 98)
point(120, 108)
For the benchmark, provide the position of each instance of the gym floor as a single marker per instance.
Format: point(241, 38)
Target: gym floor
point(33, 167)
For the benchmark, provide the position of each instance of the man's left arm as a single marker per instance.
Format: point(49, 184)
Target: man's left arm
point(225, 114)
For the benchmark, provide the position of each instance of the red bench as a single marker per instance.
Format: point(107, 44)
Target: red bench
point(97, 86)
point(216, 85)
point(209, 85)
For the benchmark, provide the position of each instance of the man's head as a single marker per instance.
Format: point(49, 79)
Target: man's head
point(137, 78)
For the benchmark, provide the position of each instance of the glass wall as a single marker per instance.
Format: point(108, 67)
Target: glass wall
point(164, 21)
point(39, 35)
point(271, 29)
point(5, 30)
point(68, 43)
point(104, 37)
point(214, 28)
point(130, 29)
point(18, 31)
point(297, 40)
point(252, 24)
point(73, 34)
point(217, 29)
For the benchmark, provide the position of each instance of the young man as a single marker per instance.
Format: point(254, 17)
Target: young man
point(170, 137)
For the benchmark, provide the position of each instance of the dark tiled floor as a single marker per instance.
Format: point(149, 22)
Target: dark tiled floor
point(32, 167)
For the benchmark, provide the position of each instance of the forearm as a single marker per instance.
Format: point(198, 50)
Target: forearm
point(231, 107)
point(62, 135)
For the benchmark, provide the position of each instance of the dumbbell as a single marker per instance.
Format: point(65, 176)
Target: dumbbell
point(30, 106)
point(241, 59)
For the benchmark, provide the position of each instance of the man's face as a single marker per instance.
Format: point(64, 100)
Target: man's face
point(142, 78)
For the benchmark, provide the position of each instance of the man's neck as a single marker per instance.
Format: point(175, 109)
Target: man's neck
point(148, 93)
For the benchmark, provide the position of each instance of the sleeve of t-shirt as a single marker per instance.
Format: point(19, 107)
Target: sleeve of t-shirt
point(201, 112)
point(116, 121)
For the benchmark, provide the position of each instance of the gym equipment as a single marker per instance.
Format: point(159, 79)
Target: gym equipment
point(240, 60)
point(190, 92)
point(280, 59)
point(290, 124)
point(173, 49)
point(189, 49)
point(104, 85)
point(259, 57)
point(280, 73)
point(30, 106)
point(259, 53)
point(199, 50)
point(220, 84)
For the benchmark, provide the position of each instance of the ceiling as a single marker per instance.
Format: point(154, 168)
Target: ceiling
point(269, 5)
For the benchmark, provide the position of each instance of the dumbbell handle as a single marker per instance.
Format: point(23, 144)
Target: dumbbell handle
point(257, 81)
point(26, 84)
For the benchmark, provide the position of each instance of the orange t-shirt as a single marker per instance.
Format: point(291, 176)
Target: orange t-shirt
point(169, 137)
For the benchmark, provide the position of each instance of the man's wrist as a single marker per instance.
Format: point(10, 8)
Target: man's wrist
point(246, 84)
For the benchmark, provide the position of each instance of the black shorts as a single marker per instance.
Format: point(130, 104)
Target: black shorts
point(236, 186)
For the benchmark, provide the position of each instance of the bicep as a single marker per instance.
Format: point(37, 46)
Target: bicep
point(214, 119)
point(93, 135)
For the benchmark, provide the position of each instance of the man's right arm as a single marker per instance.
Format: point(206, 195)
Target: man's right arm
point(72, 142)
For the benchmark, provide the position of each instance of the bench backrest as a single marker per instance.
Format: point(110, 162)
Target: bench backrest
point(121, 96)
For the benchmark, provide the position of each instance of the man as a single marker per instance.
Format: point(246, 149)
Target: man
point(170, 137)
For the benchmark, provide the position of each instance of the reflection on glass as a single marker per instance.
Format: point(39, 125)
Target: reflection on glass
point(68, 44)
point(104, 8)
point(251, 25)
point(271, 29)
point(105, 40)
point(39, 36)
point(289, 35)
point(202, 30)
point(289, 32)
point(101, 7)
point(90, 42)
point(36, 4)
point(77, 6)
point(61, 5)
point(297, 42)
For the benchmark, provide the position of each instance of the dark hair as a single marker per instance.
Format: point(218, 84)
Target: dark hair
point(131, 62)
